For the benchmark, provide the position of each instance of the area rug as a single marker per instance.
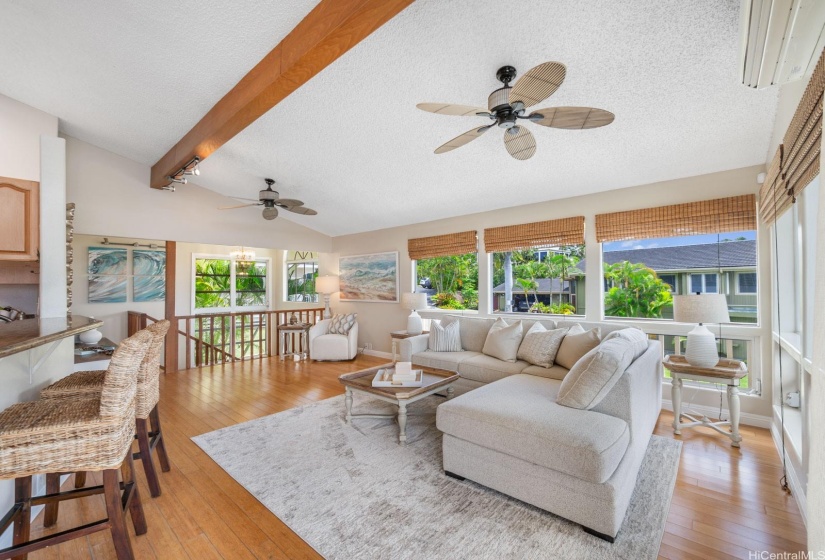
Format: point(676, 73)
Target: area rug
point(351, 491)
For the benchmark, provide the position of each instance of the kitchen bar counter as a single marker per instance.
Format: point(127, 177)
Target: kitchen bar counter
point(19, 336)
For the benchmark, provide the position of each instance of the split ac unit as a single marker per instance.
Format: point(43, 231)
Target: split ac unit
point(781, 40)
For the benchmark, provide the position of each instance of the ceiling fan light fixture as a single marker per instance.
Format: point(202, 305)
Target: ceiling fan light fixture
point(270, 213)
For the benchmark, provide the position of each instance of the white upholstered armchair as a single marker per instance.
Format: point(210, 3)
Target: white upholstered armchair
point(324, 345)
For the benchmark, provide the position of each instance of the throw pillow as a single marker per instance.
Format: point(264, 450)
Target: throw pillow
point(445, 336)
point(539, 346)
point(576, 344)
point(635, 337)
point(592, 377)
point(503, 340)
point(341, 324)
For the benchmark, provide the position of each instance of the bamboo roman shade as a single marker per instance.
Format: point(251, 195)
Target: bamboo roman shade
point(796, 162)
point(565, 231)
point(737, 213)
point(442, 245)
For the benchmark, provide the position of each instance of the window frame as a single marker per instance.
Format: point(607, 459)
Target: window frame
point(416, 285)
point(674, 288)
point(738, 291)
point(287, 263)
point(704, 276)
point(231, 308)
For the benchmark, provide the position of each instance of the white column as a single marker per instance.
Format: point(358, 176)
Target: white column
point(53, 227)
point(593, 272)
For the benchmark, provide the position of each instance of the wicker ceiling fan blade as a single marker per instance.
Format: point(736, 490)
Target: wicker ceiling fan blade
point(572, 118)
point(288, 203)
point(239, 206)
point(453, 110)
point(242, 198)
point(303, 210)
point(521, 145)
point(463, 139)
point(538, 83)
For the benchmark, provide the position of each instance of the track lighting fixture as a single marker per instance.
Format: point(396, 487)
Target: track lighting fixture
point(191, 168)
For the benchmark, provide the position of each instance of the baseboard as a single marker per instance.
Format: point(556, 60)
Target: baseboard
point(378, 354)
point(746, 418)
point(793, 479)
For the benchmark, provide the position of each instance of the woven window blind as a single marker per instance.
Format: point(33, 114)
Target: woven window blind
point(564, 231)
point(773, 198)
point(737, 213)
point(442, 245)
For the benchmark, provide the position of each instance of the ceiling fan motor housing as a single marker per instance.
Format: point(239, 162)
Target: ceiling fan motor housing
point(499, 99)
point(268, 194)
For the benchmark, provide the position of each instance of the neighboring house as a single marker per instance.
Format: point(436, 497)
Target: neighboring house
point(548, 291)
point(728, 268)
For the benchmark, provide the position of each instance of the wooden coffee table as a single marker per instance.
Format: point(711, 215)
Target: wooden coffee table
point(361, 381)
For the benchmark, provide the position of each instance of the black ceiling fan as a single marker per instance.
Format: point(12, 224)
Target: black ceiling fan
point(508, 104)
point(271, 200)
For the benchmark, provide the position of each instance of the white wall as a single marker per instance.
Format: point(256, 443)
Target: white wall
point(20, 129)
point(376, 320)
point(114, 199)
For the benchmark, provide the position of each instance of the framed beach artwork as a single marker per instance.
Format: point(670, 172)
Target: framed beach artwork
point(369, 277)
point(107, 275)
point(149, 270)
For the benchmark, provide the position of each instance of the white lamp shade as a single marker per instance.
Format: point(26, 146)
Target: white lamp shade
point(412, 300)
point(701, 308)
point(327, 284)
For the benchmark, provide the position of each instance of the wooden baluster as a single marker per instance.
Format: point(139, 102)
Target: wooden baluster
point(268, 334)
point(243, 336)
point(260, 335)
point(188, 346)
point(212, 355)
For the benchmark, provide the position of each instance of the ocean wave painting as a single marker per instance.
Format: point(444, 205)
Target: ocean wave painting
point(369, 277)
point(149, 288)
point(107, 289)
point(148, 263)
point(103, 260)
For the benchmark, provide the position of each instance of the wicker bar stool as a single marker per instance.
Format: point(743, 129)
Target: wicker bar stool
point(84, 434)
point(148, 429)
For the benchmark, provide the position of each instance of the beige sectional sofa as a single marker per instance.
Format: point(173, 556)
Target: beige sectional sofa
point(507, 432)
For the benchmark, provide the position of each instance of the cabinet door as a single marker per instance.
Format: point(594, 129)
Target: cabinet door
point(19, 219)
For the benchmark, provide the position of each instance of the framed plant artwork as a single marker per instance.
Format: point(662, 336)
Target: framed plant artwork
point(372, 277)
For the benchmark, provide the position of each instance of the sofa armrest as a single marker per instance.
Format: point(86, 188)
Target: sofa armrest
point(412, 345)
point(637, 397)
point(319, 328)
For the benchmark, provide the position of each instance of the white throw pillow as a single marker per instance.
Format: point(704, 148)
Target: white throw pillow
point(341, 324)
point(539, 345)
point(592, 377)
point(635, 337)
point(503, 340)
point(445, 336)
point(577, 342)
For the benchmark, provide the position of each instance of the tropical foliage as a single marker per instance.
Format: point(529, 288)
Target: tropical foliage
point(454, 278)
point(528, 269)
point(300, 281)
point(635, 291)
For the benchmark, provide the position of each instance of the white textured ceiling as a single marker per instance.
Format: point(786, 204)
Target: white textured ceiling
point(351, 143)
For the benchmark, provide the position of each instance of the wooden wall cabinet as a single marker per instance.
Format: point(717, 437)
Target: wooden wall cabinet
point(19, 219)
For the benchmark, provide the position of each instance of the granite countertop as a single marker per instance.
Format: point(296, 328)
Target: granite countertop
point(19, 336)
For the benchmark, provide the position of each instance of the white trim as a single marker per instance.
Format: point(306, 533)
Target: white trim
point(704, 276)
point(285, 292)
point(736, 290)
point(750, 419)
point(793, 479)
point(378, 353)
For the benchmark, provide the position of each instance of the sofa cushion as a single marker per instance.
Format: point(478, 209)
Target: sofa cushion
point(442, 360)
point(487, 369)
point(596, 373)
point(577, 342)
point(539, 345)
point(474, 331)
point(445, 337)
point(635, 337)
point(519, 416)
point(555, 372)
point(342, 323)
point(503, 340)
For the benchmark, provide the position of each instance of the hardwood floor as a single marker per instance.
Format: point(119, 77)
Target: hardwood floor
point(726, 501)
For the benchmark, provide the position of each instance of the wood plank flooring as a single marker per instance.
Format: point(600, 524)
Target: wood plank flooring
point(726, 502)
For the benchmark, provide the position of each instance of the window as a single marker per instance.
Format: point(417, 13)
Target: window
point(301, 272)
point(670, 280)
point(543, 280)
point(225, 284)
point(704, 283)
point(746, 283)
point(450, 282)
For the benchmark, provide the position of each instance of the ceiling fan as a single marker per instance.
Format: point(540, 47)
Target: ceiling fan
point(271, 201)
point(507, 105)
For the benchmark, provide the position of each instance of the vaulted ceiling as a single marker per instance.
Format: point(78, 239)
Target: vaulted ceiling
point(134, 77)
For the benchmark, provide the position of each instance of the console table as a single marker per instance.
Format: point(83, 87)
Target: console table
point(726, 372)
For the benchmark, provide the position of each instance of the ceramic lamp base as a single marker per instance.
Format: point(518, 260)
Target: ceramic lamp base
point(701, 348)
point(414, 324)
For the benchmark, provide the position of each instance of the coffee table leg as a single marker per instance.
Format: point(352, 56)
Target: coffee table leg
point(348, 401)
point(450, 392)
point(402, 423)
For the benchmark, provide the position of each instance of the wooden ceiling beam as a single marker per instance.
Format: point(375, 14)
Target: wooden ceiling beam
point(331, 29)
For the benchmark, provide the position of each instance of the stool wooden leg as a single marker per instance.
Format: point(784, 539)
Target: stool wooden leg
point(114, 508)
point(52, 487)
point(127, 470)
point(142, 428)
point(160, 445)
point(80, 479)
point(22, 527)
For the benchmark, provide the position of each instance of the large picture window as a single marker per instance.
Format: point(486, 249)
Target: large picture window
point(226, 284)
point(450, 282)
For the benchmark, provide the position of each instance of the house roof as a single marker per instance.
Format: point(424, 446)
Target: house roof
point(730, 254)
point(544, 287)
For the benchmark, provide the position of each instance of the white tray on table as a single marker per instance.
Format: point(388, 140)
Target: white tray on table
point(377, 382)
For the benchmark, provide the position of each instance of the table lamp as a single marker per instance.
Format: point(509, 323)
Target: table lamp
point(413, 301)
point(327, 285)
point(701, 308)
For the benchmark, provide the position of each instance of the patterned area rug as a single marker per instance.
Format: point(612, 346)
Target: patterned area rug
point(351, 491)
